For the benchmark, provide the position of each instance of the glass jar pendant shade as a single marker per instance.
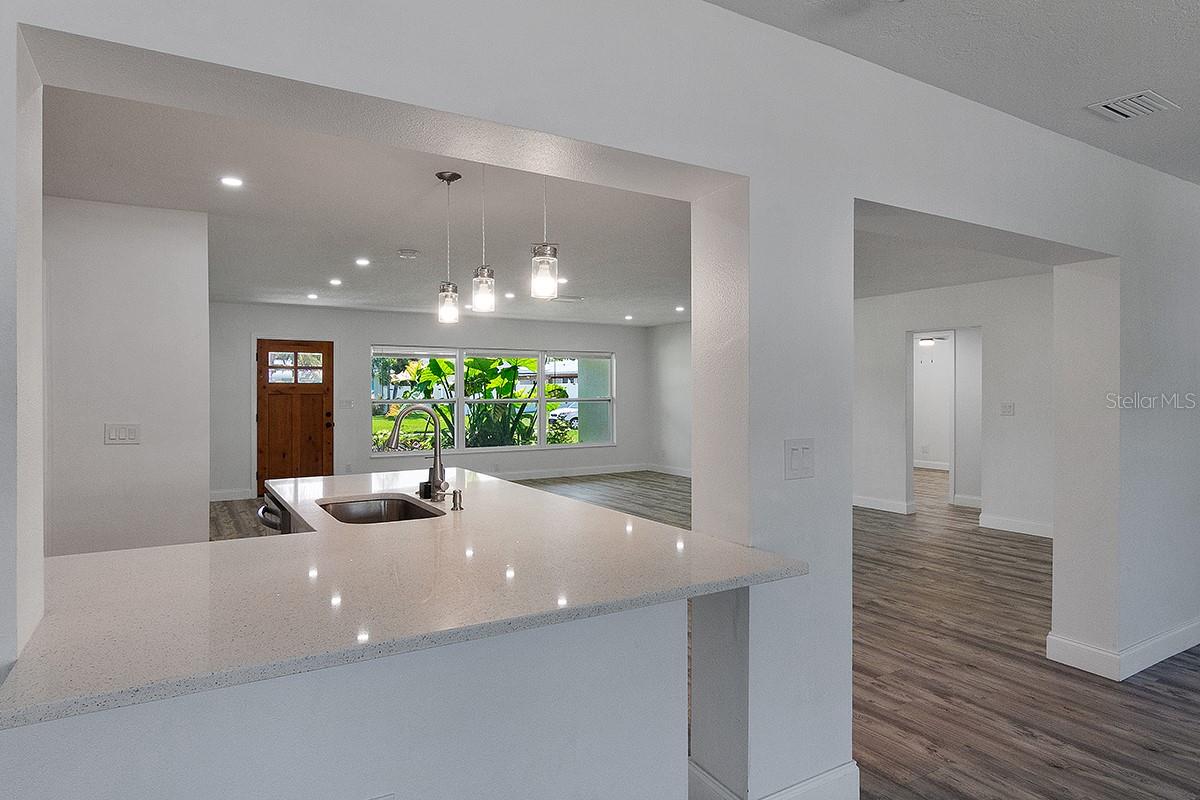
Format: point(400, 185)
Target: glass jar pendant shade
point(447, 306)
point(483, 289)
point(483, 285)
point(448, 302)
point(543, 279)
point(543, 283)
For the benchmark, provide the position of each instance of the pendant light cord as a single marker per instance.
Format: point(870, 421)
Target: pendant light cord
point(483, 212)
point(545, 228)
point(448, 232)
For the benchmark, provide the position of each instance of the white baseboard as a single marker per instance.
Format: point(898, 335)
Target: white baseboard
point(1028, 526)
point(232, 494)
point(682, 472)
point(968, 500)
point(880, 504)
point(839, 783)
point(570, 472)
point(1121, 664)
point(942, 466)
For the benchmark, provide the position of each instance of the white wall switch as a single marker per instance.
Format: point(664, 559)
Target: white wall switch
point(346, 404)
point(122, 433)
point(798, 460)
point(1008, 408)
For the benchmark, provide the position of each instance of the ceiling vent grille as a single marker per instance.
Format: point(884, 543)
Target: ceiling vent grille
point(1132, 106)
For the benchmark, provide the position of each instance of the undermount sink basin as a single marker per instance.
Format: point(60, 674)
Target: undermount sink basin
point(378, 508)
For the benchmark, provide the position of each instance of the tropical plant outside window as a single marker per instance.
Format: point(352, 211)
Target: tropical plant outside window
point(504, 398)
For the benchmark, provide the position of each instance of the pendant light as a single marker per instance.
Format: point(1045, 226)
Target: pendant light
point(483, 285)
point(448, 292)
point(543, 282)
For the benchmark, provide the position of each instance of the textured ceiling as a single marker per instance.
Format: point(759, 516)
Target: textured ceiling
point(898, 250)
point(313, 203)
point(1041, 60)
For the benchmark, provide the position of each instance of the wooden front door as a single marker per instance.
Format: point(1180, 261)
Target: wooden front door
point(295, 409)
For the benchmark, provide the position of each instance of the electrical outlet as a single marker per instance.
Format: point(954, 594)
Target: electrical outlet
point(924, 449)
point(122, 433)
point(1008, 408)
point(798, 459)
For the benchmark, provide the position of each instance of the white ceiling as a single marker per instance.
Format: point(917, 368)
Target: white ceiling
point(898, 250)
point(312, 204)
point(1041, 60)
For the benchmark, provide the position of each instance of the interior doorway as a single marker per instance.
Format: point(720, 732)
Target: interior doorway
point(294, 417)
point(946, 415)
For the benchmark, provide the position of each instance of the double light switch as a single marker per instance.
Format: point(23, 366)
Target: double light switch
point(798, 460)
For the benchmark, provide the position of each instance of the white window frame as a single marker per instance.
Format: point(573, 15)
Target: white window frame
point(460, 400)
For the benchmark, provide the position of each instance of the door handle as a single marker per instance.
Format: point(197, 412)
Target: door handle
point(328, 424)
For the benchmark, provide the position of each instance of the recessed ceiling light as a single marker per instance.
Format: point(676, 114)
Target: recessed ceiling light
point(562, 280)
point(231, 181)
point(509, 295)
point(335, 281)
point(312, 297)
point(468, 307)
point(629, 316)
point(407, 253)
point(364, 637)
point(679, 308)
point(363, 262)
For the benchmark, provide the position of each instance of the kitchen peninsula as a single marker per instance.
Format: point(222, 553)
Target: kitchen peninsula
point(465, 636)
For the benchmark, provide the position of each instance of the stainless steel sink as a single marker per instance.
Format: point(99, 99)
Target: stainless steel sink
point(378, 508)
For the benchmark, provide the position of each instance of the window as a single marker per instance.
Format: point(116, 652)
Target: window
point(491, 399)
point(293, 367)
point(400, 380)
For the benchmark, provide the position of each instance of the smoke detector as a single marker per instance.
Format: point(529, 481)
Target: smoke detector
point(1132, 106)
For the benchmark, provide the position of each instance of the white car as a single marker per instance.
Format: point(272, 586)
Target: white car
point(567, 412)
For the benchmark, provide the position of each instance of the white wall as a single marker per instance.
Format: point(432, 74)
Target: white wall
point(235, 327)
point(1017, 466)
point(592, 708)
point(968, 417)
point(685, 80)
point(1087, 347)
point(671, 396)
point(933, 402)
point(127, 341)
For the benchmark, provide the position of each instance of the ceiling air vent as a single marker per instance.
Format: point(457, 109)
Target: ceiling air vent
point(1132, 106)
point(567, 298)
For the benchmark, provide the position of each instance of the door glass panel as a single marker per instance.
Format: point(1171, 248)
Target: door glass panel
point(281, 359)
point(310, 375)
point(281, 376)
point(309, 360)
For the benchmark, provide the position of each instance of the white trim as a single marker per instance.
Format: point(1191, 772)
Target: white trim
point(682, 472)
point(217, 495)
point(526, 448)
point(570, 472)
point(1119, 665)
point(881, 504)
point(1014, 525)
point(968, 500)
point(940, 466)
point(839, 783)
point(703, 786)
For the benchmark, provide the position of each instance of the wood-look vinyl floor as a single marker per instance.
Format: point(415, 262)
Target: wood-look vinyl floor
point(954, 698)
point(235, 519)
point(953, 695)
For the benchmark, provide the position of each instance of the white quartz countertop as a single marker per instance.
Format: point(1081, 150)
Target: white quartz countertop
point(130, 626)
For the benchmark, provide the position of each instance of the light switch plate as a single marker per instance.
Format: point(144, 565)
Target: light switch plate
point(1008, 408)
point(798, 459)
point(122, 433)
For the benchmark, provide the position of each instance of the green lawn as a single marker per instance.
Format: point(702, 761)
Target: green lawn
point(421, 424)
